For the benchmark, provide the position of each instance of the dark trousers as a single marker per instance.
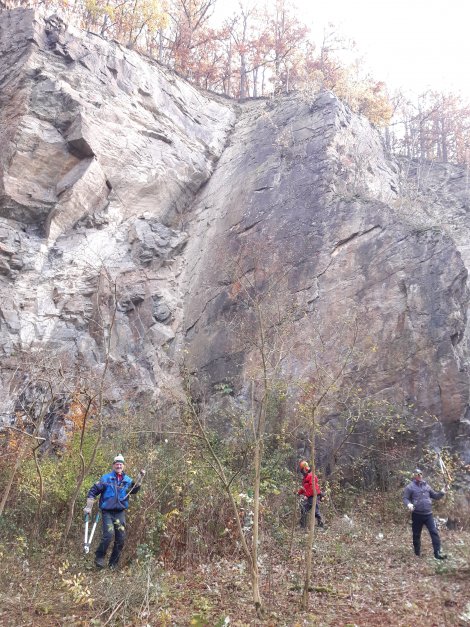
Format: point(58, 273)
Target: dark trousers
point(417, 523)
point(305, 506)
point(114, 526)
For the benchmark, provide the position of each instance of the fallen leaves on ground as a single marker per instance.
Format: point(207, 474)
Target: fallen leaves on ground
point(365, 574)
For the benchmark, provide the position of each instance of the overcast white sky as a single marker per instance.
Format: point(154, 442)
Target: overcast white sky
point(409, 44)
point(413, 44)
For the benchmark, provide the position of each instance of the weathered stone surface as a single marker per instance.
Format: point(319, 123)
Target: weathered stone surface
point(126, 195)
point(314, 197)
point(151, 240)
point(101, 154)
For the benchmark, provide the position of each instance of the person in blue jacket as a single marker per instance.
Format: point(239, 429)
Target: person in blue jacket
point(114, 489)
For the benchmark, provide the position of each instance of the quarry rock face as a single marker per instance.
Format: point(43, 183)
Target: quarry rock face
point(315, 199)
point(116, 172)
point(102, 152)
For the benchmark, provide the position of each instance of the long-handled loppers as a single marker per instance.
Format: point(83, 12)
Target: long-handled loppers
point(445, 473)
point(87, 540)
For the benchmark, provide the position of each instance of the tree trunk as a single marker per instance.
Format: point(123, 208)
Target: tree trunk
point(84, 468)
point(311, 528)
point(255, 82)
point(242, 77)
point(445, 153)
point(249, 553)
point(254, 549)
point(19, 458)
point(107, 336)
point(41, 487)
point(228, 86)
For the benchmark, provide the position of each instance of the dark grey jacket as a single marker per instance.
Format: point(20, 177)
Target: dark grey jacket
point(420, 494)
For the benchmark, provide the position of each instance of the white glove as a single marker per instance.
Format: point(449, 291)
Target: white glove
point(410, 506)
point(89, 506)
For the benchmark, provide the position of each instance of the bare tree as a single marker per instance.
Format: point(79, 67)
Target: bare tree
point(38, 384)
point(331, 358)
point(91, 396)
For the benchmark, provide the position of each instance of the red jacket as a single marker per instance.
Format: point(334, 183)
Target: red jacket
point(307, 488)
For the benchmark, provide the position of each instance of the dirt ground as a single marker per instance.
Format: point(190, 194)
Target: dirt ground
point(365, 574)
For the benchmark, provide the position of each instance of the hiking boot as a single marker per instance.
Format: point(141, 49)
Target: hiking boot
point(99, 562)
point(440, 556)
point(320, 523)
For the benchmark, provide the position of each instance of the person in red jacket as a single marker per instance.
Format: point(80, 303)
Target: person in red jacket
point(309, 484)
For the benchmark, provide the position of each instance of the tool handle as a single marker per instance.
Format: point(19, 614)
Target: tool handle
point(85, 539)
point(137, 483)
point(97, 517)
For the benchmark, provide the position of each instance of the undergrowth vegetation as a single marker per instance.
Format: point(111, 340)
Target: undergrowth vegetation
point(183, 561)
point(364, 574)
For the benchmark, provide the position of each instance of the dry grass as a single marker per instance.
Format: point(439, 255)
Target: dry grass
point(365, 574)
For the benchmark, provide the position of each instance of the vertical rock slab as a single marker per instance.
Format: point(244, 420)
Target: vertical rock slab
point(305, 189)
point(101, 153)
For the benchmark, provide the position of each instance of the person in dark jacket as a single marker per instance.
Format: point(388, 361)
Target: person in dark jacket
point(114, 489)
point(417, 498)
point(309, 484)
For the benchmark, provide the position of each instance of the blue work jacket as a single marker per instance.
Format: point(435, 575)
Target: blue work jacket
point(113, 496)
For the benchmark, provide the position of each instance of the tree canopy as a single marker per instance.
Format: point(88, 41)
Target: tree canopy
point(264, 49)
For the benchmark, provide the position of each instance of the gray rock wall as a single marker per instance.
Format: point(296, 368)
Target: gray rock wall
point(102, 152)
point(116, 176)
point(314, 197)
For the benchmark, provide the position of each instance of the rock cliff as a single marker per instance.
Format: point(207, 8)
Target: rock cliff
point(110, 165)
